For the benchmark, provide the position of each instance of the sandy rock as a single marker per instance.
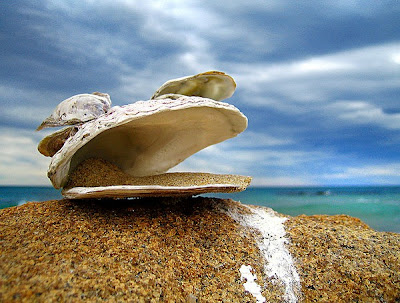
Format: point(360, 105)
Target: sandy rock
point(341, 259)
point(190, 250)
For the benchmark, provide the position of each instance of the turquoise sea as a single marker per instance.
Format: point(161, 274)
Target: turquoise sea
point(378, 206)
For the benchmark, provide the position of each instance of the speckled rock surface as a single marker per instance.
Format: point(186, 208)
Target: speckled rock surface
point(341, 259)
point(188, 250)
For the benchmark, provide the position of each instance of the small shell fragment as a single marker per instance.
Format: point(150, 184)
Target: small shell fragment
point(78, 109)
point(53, 142)
point(213, 84)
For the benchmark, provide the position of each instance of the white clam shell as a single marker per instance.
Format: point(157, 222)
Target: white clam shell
point(127, 191)
point(148, 137)
point(78, 109)
point(213, 84)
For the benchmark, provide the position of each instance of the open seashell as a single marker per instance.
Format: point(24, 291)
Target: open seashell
point(145, 139)
point(78, 109)
point(213, 84)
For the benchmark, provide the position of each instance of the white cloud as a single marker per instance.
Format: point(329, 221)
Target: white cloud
point(251, 139)
point(319, 65)
point(396, 58)
point(178, 22)
point(283, 181)
point(27, 107)
point(12, 95)
point(20, 162)
point(259, 162)
point(361, 112)
point(320, 79)
point(369, 174)
point(267, 167)
point(25, 114)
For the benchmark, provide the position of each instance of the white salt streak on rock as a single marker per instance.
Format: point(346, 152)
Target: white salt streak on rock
point(251, 286)
point(279, 263)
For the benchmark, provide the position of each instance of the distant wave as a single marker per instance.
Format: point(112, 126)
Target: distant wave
point(21, 202)
point(339, 191)
point(308, 193)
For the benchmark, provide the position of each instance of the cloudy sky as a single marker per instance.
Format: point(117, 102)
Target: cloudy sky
point(318, 80)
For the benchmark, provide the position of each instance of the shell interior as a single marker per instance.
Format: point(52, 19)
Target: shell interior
point(214, 85)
